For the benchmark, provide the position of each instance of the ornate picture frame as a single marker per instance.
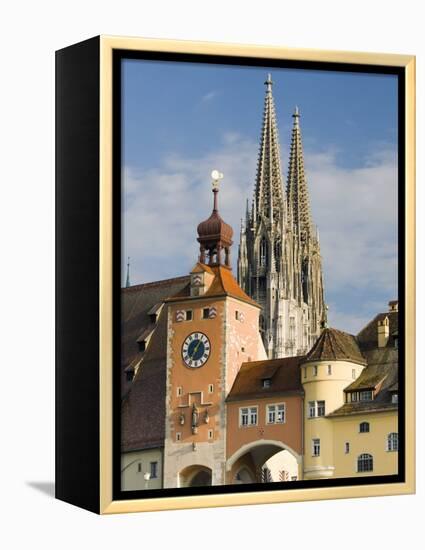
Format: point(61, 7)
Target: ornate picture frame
point(102, 345)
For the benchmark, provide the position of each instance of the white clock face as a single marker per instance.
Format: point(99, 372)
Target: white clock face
point(196, 350)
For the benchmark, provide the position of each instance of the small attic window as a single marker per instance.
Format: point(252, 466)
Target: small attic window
point(267, 382)
point(366, 395)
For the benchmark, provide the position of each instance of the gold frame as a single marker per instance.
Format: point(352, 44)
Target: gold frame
point(107, 504)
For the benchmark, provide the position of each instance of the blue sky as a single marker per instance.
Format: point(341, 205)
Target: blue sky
point(182, 120)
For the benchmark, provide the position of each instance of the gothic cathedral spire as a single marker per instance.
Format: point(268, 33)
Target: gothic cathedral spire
point(268, 195)
point(299, 216)
point(279, 262)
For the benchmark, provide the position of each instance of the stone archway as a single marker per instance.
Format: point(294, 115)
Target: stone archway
point(265, 460)
point(244, 475)
point(195, 476)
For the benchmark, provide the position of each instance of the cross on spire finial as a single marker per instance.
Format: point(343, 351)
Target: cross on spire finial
point(296, 115)
point(269, 82)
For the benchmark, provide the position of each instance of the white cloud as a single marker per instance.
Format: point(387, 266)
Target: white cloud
point(356, 211)
point(209, 96)
point(354, 208)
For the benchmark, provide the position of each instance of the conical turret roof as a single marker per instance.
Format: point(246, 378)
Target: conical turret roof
point(336, 345)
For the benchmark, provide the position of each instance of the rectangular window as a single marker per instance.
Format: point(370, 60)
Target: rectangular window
point(392, 442)
point(366, 395)
point(353, 396)
point(210, 388)
point(315, 370)
point(139, 467)
point(206, 313)
point(305, 372)
point(280, 414)
point(271, 414)
point(248, 416)
point(154, 470)
point(316, 408)
point(275, 414)
point(394, 398)
point(347, 447)
point(189, 315)
point(243, 414)
point(267, 382)
point(210, 434)
point(179, 391)
point(329, 369)
point(253, 416)
point(315, 451)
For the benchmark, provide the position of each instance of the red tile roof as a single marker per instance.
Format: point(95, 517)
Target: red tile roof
point(284, 375)
point(223, 284)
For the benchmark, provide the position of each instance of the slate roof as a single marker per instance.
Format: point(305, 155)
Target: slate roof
point(382, 368)
point(334, 345)
point(368, 336)
point(284, 375)
point(143, 405)
point(223, 284)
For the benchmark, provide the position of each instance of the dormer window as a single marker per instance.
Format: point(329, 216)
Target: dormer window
point(394, 398)
point(267, 382)
point(366, 395)
point(154, 312)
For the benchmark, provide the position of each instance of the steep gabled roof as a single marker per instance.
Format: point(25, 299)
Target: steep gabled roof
point(368, 336)
point(336, 345)
point(284, 375)
point(143, 407)
point(223, 284)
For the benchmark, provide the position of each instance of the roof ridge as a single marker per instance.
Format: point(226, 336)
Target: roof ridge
point(162, 282)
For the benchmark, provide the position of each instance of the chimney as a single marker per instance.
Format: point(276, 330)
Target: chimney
point(393, 306)
point(383, 332)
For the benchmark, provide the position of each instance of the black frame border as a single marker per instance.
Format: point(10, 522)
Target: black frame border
point(400, 72)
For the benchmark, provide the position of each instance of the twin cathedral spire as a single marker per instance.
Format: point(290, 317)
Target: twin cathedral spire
point(279, 262)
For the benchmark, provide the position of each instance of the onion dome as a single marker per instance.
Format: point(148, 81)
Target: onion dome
point(214, 234)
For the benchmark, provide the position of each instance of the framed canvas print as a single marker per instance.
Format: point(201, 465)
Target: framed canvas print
point(235, 274)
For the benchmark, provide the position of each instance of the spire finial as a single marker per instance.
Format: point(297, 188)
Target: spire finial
point(269, 82)
point(296, 116)
point(216, 178)
point(324, 321)
point(127, 284)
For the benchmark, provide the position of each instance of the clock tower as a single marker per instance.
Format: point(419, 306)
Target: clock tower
point(212, 329)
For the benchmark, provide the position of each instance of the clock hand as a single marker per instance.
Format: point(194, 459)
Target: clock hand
point(196, 349)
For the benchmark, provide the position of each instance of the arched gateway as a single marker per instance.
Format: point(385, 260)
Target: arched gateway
point(195, 476)
point(263, 460)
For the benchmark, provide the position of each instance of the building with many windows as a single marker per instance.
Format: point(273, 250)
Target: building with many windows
point(279, 262)
point(202, 404)
point(237, 381)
